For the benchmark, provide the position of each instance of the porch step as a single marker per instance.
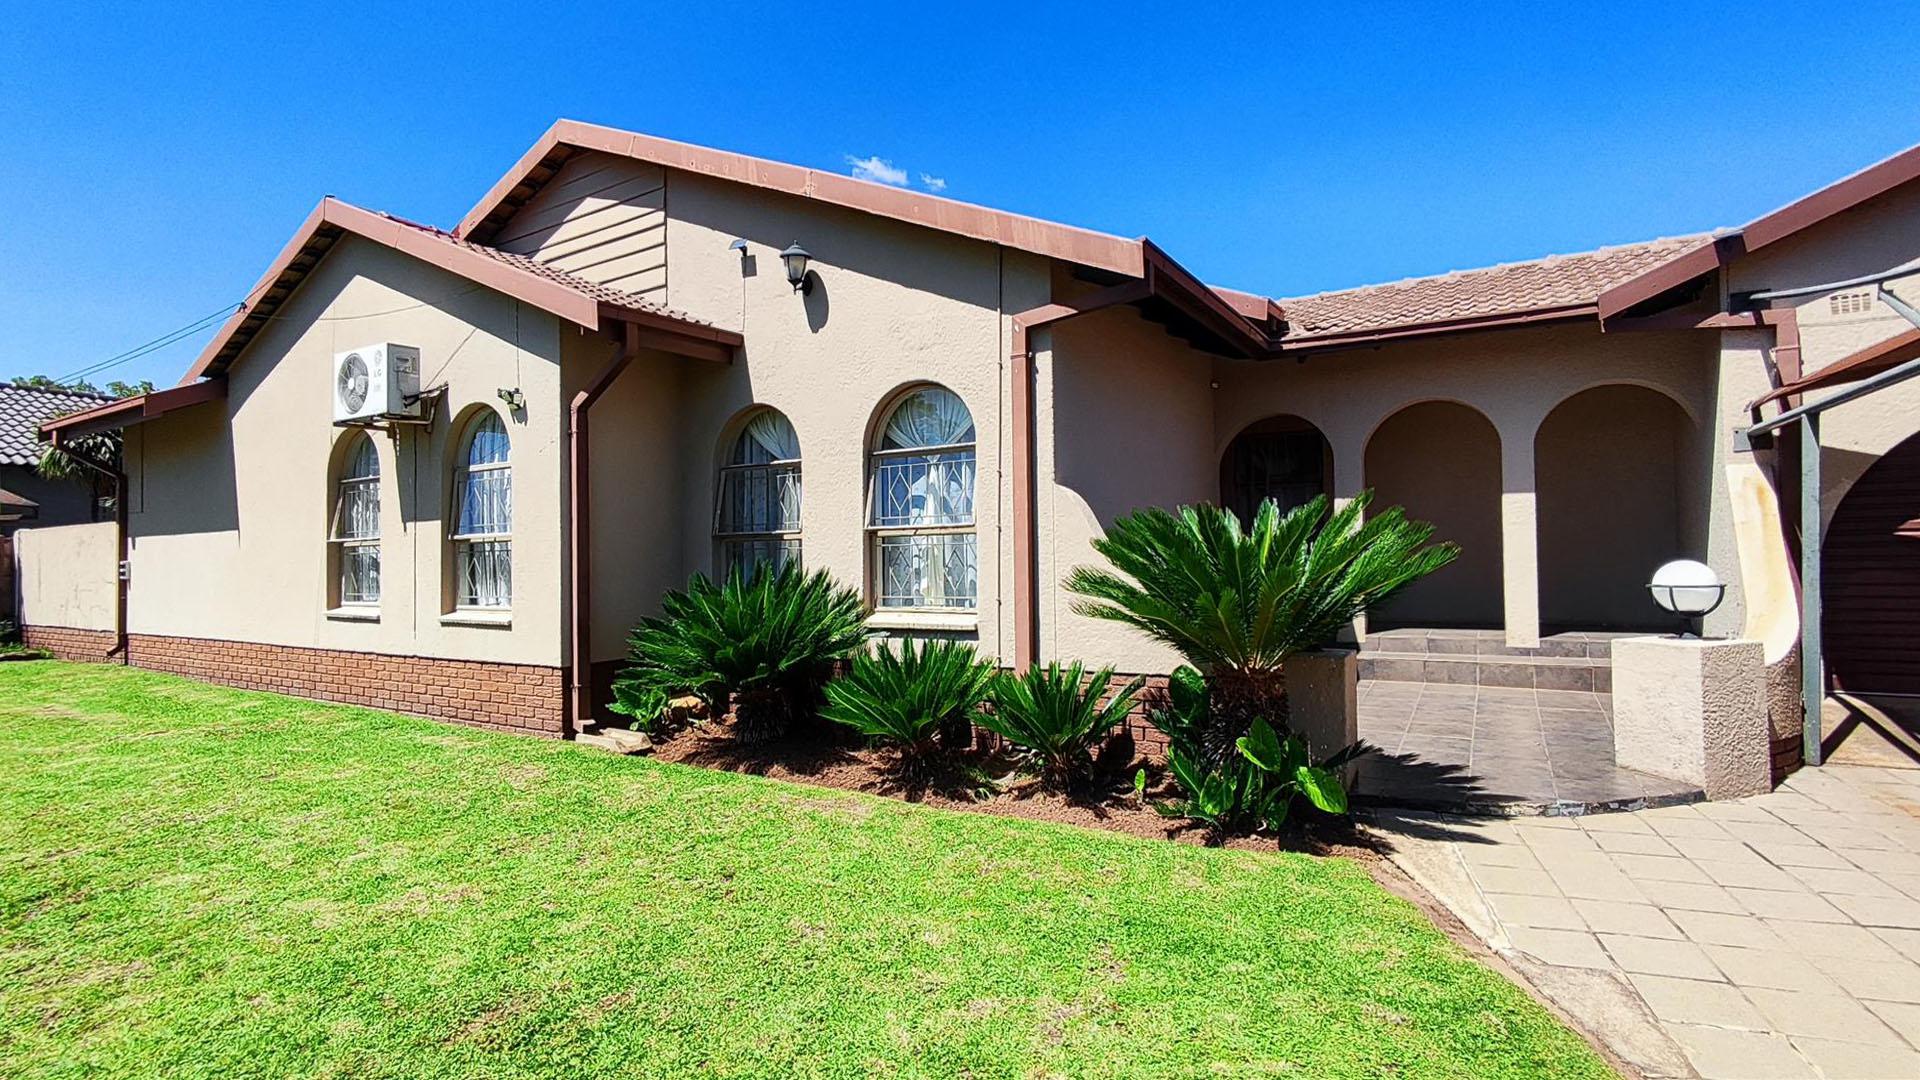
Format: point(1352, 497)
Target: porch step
point(1567, 661)
point(1536, 672)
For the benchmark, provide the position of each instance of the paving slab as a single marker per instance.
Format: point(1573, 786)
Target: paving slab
point(1773, 936)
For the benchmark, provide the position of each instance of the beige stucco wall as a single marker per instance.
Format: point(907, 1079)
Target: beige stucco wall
point(1875, 236)
point(1514, 378)
point(891, 306)
point(640, 449)
point(1125, 422)
point(66, 575)
point(231, 499)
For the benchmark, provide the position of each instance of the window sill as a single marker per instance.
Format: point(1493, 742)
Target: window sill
point(948, 621)
point(477, 617)
point(354, 613)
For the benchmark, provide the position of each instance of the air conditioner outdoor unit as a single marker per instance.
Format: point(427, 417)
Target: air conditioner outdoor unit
point(375, 382)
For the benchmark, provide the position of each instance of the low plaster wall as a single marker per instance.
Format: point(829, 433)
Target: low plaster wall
point(1693, 710)
point(67, 576)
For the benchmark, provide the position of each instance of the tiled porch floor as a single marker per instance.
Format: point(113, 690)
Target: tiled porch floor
point(1498, 750)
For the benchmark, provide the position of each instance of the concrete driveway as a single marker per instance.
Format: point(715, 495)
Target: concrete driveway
point(1775, 936)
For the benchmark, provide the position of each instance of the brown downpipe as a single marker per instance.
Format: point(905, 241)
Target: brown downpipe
point(119, 478)
point(579, 711)
point(1026, 539)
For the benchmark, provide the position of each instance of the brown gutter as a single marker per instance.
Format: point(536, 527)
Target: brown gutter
point(119, 478)
point(579, 711)
point(1026, 539)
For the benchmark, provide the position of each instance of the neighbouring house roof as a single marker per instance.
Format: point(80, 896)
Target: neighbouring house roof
point(568, 138)
point(126, 412)
point(571, 298)
point(17, 507)
point(1711, 253)
point(1558, 286)
point(23, 409)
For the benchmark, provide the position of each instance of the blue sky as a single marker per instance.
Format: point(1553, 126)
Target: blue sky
point(155, 160)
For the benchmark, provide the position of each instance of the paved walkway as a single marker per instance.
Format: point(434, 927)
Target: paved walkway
point(1776, 936)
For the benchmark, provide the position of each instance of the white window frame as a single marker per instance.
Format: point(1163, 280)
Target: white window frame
point(346, 543)
point(730, 544)
point(881, 535)
point(463, 545)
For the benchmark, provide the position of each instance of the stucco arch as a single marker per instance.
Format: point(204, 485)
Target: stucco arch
point(883, 408)
point(1439, 458)
point(730, 430)
point(1612, 487)
point(1283, 456)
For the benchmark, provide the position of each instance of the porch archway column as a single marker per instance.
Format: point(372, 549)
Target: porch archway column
point(1519, 536)
point(1349, 480)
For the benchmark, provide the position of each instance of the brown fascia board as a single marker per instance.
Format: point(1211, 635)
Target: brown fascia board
point(1200, 302)
point(1844, 194)
point(130, 411)
point(333, 217)
point(1083, 247)
point(1795, 217)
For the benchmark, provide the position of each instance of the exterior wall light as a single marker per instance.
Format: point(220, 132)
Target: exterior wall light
point(795, 258)
point(1687, 588)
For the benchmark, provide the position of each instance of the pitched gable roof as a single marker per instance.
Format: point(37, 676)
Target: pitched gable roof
point(567, 138)
point(571, 298)
point(24, 408)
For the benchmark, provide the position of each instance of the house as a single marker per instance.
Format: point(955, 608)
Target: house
point(635, 356)
point(26, 497)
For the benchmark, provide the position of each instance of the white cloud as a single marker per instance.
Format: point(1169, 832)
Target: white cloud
point(879, 169)
point(932, 183)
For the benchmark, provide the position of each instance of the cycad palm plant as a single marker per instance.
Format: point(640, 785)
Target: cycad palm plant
point(1059, 715)
point(763, 642)
point(909, 696)
point(1237, 602)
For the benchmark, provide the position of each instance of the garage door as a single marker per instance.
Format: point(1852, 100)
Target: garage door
point(1871, 579)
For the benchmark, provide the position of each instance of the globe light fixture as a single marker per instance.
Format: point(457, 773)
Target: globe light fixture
point(795, 258)
point(1688, 588)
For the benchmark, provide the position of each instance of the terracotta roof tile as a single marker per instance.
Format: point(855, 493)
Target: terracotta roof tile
point(23, 409)
point(1557, 281)
point(605, 294)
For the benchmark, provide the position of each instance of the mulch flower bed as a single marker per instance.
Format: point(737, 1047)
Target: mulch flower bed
point(988, 780)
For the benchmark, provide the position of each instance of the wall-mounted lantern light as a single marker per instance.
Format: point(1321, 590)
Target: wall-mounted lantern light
point(1687, 588)
point(795, 258)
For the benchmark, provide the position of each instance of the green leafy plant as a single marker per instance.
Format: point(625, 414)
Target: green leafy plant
point(1256, 788)
point(907, 697)
point(1237, 602)
point(1059, 716)
point(763, 644)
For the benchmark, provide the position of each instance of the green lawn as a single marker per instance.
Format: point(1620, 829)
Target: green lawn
point(197, 881)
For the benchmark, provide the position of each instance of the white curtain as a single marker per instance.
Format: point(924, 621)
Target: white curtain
point(768, 437)
point(934, 416)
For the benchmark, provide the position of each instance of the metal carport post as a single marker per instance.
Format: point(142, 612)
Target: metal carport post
point(1812, 661)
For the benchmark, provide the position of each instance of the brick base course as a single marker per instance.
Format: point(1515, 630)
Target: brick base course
point(67, 643)
point(525, 698)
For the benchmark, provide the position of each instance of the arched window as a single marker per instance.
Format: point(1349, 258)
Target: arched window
point(757, 515)
point(356, 523)
point(483, 517)
point(924, 550)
